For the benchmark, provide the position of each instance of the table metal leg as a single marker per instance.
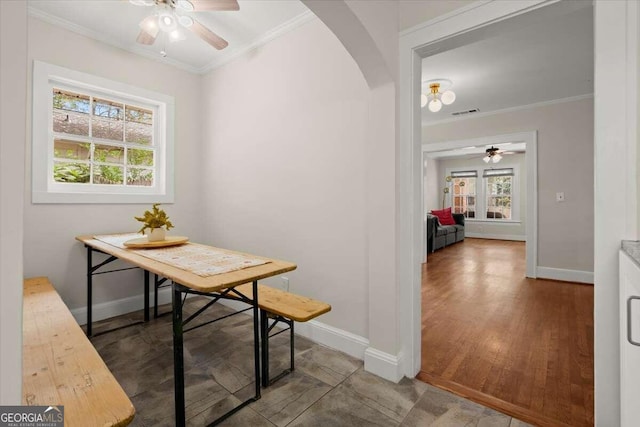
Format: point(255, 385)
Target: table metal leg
point(155, 296)
point(92, 270)
point(89, 290)
point(291, 344)
point(178, 356)
point(146, 296)
point(178, 350)
point(264, 340)
point(256, 338)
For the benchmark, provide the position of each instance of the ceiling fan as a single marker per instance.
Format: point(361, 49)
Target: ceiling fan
point(170, 18)
point(494, 155)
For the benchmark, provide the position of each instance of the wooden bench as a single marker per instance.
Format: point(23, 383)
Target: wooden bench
point(285, 307)
point(61, 367)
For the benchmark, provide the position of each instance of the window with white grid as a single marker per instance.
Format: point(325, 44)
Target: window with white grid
point(464, 193)
point(485, 194)
point(99, 141)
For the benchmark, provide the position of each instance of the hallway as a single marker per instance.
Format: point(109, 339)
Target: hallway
point(522, 346)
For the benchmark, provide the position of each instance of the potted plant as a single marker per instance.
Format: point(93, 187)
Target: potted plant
point(157, 222)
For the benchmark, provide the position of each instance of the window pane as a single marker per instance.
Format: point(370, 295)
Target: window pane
point(499, 197)
point(64, 149)
point(107, 121)
point(139, 176)
point(103, 174)
point(139, 125)
point(71, 123)
point(71, 172)
point(108, 154)
point(70, 102)
point(464, 190)
point(139, 157)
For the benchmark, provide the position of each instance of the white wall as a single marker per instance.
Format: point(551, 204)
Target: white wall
point(510, 231)
point(565, 163)
point(13, 82)
point(432, 190)
point(283, 165)
point(50, 249)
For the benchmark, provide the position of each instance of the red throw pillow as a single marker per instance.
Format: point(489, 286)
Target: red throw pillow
point(444, 216)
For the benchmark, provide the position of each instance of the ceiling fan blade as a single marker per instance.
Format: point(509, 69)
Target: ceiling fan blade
point(145, 38)
point(148, 30)
point(209, 36)
point(219, 5)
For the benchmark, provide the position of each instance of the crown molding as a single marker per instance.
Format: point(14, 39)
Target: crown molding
point(224, 59)
point(274, 33)
point(444, 17)
point(510, 109)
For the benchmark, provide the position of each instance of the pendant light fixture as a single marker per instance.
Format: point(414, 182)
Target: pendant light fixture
point(438, 95)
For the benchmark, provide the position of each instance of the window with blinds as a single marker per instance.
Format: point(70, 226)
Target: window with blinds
point(464, 193)
point(484, 193)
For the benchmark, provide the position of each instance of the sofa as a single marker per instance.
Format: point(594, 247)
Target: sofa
point(439, 236)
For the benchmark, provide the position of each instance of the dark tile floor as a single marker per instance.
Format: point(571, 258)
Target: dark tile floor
point(328, 388)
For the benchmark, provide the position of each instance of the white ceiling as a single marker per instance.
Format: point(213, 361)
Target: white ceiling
point(533, 64)
point(116, 22)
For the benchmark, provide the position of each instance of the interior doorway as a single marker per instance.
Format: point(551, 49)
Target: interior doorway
point(489, 331)
point(527, 143)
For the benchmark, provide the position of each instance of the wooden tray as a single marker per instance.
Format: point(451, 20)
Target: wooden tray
point(143, 242)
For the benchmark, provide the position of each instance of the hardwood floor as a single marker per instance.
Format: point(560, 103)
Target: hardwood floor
point(522, 346)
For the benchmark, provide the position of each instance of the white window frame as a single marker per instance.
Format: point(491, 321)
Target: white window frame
point(481, 193)
point(487, 195)
point(46, 77)
point(464, 174)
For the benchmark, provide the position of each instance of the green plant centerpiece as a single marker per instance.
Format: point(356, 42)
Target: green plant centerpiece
point(156, 221)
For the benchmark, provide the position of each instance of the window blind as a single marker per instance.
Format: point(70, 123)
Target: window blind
point(464, 174)
point(487, 173)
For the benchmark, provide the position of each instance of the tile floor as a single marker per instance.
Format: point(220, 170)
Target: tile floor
point(328, 388)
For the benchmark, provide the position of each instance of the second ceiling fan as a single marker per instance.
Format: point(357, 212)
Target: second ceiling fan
point(171, 17)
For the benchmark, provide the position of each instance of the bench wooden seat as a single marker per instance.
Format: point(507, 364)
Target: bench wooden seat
point(61, 367)
point(286, 304)
point(281, 306)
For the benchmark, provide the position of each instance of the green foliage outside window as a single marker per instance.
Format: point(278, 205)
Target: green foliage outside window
point(71, 172)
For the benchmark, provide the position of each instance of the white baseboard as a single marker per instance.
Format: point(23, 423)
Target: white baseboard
point(338, 339)
point(321, 333)
point(105, 310)
point(564, 275)
point(383, 364)
point(515, 237)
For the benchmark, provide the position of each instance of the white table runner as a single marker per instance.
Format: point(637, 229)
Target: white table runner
point(199, 259)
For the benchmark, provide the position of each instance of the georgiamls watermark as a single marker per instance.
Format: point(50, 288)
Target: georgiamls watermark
point(31, 416)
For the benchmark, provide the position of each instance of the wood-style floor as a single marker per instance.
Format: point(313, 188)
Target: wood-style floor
point(522, 346)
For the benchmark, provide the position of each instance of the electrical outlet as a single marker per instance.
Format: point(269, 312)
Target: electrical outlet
point(560, 196)
point(285, 283)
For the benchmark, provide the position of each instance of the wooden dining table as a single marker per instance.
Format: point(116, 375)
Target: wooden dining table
point(216, 287)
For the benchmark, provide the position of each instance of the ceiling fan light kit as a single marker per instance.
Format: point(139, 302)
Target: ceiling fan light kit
point(185, 5)
point(492, 155)
point(169, 21)
point(185, 21)
point(435, 98)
